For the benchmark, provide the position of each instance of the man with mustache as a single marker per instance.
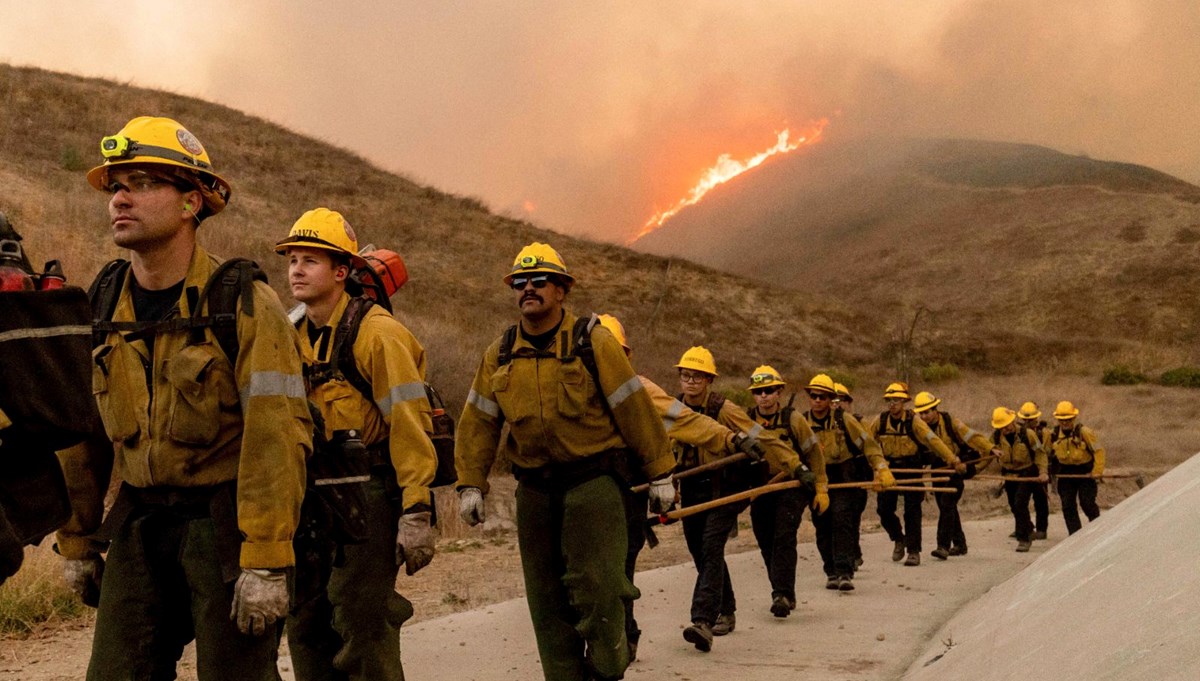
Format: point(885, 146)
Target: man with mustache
point(578, 416)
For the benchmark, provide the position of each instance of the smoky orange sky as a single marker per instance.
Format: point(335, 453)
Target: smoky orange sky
point(587, 117)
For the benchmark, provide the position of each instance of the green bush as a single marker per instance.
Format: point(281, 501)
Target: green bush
point(940, 373)
point(71, 160)
point(1122, 375)
point(1182, 377)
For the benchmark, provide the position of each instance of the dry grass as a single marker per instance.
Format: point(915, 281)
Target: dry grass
point(37, 597)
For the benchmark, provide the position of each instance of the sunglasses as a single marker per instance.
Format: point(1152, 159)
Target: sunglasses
point(138, 183)
point(766, 391)
point(819, 396)
point(539, 282)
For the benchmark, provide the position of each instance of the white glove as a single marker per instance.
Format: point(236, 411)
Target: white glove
point(414, 541)
point(83, 576)
point(662, 494)
point(260, 598)
point(470, 505)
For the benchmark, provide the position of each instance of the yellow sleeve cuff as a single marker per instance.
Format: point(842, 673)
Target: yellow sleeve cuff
point(277, 554)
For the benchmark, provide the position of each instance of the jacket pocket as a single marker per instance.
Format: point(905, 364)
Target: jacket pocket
point(339, 408)
point(195, 409)
point(516, 404)
point(116, 373)
point(572, 390)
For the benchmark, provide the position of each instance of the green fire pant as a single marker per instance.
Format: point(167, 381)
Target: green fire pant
point(163, 588)
point(353, 630)
point(573, 544)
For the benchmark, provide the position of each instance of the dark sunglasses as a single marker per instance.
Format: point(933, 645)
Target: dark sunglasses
point(518, 283)
point(766, 391)
point(819, 396)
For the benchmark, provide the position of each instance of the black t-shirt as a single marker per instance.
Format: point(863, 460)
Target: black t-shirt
point(153, 306)
point(543, 340)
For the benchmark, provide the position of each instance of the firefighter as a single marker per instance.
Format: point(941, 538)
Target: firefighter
point(682, 425)
point(1031, 417)
point(206, 426)
point(851, 455)
point(1021, 456)
point(577, 415)
point(969, 445)
point(1075, 450)
point(714, 605)
point(906, 442)
point(775, 517)
point(844, 403)
point(376, 420)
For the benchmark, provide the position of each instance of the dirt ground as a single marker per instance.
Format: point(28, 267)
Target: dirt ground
point(479, 570)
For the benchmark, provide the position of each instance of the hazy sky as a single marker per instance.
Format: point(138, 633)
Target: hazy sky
point(595, 114)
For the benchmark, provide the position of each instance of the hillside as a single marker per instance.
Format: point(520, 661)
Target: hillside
point(457, 252)
point(1014, 250)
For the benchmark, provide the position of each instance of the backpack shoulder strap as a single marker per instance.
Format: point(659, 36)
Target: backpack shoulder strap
point(506, 345)
point(1024, 434)
point(341, 355)
point(231, 280)
point(715, 401)
point(948, 424)
point(851, 445)
point(581, 344)
point(785, 415)
point(103, 294)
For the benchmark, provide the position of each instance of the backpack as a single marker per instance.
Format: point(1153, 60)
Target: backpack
point(1021, 434)
point(963, 450)
point(578, 339)
point(906, 426)
point(1059, 434)
point(341, 366)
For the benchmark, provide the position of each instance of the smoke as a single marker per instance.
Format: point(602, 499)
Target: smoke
point(599, 113)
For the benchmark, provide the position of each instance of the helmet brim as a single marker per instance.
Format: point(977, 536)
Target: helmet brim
point(97, 175)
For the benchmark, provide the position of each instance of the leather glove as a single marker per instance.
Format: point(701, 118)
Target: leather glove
point(884, 478)
point(959, 466)
point(808, 479)
point(414, 541)
point(821, 500)
point(83, 576)
point(260, 598)
point(470, 505)
point(662, 494)
point(749, 446)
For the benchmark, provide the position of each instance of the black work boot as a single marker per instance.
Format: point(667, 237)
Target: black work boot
point(831, 582)
point(913, 559)
point(700, 635)
point(958, 550)
point(940, 553)
point(1023, 546)
point(724, 624)
point(846, 583)
point(1039, 534)
point(779, 604)
point(898, 552)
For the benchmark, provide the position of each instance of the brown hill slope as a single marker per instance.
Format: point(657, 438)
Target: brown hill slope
point(1016, 249)
point(457, 252)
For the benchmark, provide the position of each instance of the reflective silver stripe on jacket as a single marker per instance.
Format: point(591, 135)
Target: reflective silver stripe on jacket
point(483, 404)
point(274, 384)
point(401, 393)
point(616, 397)
point(755, 431)
point(48, 332)
point(672, 414)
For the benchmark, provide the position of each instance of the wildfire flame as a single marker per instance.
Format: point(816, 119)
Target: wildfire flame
point(725, 169)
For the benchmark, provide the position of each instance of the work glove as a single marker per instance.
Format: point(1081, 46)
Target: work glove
point(414, 541)
point(662, 494)
point(260, 598)
point(959, 466)
point(470, 505)
point(808, 480)
point(1043, 478)
point(821, 500)
point(749, 446)
point(884, 478)
point(83, 576)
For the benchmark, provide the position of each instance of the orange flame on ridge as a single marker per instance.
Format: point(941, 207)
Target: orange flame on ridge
point(725, 169)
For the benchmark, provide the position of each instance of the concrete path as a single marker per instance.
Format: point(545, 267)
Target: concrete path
point(873, 633)
point(1119, 600)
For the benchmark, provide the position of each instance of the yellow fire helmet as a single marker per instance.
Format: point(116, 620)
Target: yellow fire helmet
point(698, 358)
point(822, 383)
point(324, 229)
point(925, 401)
point(614, 325)
point(842, 392)
point(538, 258)
point(896, 390)
point(1002, 416)
point(163, 142)
point(1065, 411)
point(1029, 411)
point(763, 377)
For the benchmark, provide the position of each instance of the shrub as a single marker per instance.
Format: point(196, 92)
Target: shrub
point(1121, 375)
point(1182, 377)
point(37, 594)
point(71, 160)
point(936, 372)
